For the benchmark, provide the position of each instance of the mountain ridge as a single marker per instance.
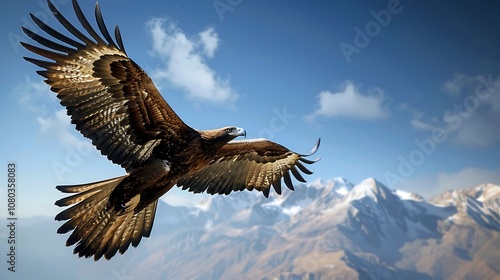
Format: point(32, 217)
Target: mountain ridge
point(323, 230)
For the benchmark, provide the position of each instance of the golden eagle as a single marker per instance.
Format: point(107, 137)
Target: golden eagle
point(113, 102)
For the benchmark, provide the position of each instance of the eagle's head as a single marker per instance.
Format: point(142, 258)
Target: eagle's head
point(224, 134)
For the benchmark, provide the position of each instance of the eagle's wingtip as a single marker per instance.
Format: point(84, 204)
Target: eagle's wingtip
point(316, 147)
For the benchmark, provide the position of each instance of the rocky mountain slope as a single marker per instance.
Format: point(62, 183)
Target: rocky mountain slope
point(323, 230)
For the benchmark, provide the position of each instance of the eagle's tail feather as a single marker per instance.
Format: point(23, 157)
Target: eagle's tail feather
point(97, 229)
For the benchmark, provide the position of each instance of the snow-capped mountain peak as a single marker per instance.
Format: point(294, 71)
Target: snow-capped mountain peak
point(369, 188)
point(370, 232)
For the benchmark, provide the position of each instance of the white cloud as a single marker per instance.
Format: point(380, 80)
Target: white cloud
point(473, 120)
point(420, 125)
point(52, 119)
point(350, 102)
point(58, 126)
point(185, 66)
point(466, 178)
point(209, 40)
point(478, 130)
point(417, 116)
point(35, 96)
point(458, 84)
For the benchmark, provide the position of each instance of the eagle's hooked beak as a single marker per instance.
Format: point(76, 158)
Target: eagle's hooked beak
point(239, 132)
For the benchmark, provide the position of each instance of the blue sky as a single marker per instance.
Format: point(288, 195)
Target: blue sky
point(403, 91)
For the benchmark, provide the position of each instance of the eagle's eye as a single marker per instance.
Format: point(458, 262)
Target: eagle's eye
point(228, 130)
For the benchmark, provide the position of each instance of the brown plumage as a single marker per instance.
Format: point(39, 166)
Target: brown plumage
point(113, 102)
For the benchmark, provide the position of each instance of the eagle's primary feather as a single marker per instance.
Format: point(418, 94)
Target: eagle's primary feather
point(115, 104)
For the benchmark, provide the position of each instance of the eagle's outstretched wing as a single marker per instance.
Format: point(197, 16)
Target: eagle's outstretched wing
point(110, 99)
point(249, 164)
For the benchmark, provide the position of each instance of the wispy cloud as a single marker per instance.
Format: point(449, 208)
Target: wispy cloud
point(185, 64)
point(350, 102)
point(478, 130)
point(455, 85)
point(420, 125)
point(58, 126)
point(417, 118)
point(458, 84)
point(35, 96)
point(52, 119)
point(471, 120)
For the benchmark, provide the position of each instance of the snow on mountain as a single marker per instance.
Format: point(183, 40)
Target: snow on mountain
point(368, 219)
point(407, 195)
point(324, 229)
point(250, 205)
point(372, 217)
point(488, 194)
point(479, 205)
point(370, 229)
